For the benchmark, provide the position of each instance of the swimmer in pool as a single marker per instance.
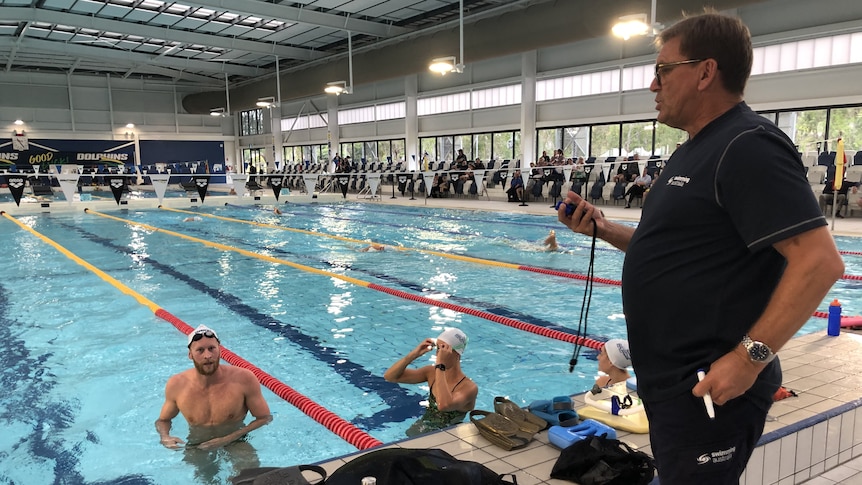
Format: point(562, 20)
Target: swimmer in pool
point(214, 399)
point(452, 394)
point(192, 219)
point(373, 247)
point(277, 211)
point(551, 241)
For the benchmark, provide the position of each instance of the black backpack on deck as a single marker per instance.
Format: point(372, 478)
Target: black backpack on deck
point(401, 466)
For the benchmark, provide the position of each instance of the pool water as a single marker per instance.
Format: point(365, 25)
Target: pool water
point(85, 366)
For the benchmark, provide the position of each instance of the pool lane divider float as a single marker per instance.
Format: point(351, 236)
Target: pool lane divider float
point(341, 427)
point(846, 321)
point(469, 259)
point(510, 322)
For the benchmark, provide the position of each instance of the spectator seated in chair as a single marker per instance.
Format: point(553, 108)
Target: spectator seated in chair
point(638, 188)
point(516, 187)
point(828, 196)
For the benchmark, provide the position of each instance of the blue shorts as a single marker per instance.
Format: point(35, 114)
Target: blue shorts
point(688, 447)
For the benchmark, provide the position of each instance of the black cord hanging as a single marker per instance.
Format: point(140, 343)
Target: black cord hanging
point(585, 303)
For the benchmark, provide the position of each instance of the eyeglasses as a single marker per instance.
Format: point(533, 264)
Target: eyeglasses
point(201, 334)
point(667, 66)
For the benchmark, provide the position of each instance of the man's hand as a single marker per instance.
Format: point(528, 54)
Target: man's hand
point(728, 377)
point(172, 442)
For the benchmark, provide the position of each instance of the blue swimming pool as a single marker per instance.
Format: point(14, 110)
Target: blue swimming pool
point(84, 365)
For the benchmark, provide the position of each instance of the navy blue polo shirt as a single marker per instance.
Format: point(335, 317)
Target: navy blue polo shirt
point(700, 267)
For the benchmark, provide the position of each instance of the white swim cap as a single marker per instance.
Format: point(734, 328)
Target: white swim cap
point(203, 331)
point(618, 353)
point(455, 338)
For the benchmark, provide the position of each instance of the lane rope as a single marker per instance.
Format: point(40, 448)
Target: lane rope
point(547, 271)
point(341, 427)
point(510, 322)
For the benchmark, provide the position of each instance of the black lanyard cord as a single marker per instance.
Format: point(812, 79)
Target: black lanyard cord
point(585, 303)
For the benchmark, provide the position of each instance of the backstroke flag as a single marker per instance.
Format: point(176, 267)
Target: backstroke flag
point(839, 165)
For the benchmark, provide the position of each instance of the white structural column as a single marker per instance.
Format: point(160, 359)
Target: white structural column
point(333, 136)
point(411, 123)
point(528, 108)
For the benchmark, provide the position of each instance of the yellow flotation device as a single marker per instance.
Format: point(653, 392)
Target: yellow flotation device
point(615, 407)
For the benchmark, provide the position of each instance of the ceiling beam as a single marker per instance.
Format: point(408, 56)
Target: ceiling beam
point(267, 10)
point(24, 14)
point(126, 59)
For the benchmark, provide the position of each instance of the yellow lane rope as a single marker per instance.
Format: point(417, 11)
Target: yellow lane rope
point(123, 288)
point(225, 247)
point(342, 238)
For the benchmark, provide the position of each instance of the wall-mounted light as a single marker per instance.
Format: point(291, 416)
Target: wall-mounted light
point(337, 88)
point(630, 26)
point(19, 122)
point(340, 87)
point(444, 65)
point(130, 125)
point(217, 112)
point(266, 102)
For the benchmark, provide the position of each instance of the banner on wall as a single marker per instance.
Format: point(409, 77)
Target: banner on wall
point(45, 158)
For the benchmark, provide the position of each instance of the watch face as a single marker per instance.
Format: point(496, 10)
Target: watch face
point(758, 352)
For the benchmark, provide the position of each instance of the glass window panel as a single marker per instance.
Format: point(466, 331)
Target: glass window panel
point(810, 130)
point(503, 145)
point(788, 56)
point(429, 148)
point(370, 151)
point(483, 147)
point(547, 140)
point(822, 51)
point(840, 49)
point(637, 138)
point(398, 150)
point(605, 140)
point(445, 148)
point(667, 138)
point(772, 59)
point(805, 54)
point(576, 141)
point(847, 124)
point(856, 47)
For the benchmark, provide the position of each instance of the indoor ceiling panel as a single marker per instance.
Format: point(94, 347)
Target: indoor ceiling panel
point(389, 9)
point(140, 15)
point(213, 27)
point(189, 23)
point(57, 4)
point(17, 3)
point(235, 30)
point(114, 11)
point(166, 19)
point(86, 7)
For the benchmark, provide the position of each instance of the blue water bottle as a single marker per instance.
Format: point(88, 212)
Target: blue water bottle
point(833, 327)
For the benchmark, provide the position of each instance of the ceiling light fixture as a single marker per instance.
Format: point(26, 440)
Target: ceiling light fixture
point(217, 112)
point(444, 65)
point(337, 88)
point(19, 122)
point(267, 102)
point(341, 87)
point(630, 26)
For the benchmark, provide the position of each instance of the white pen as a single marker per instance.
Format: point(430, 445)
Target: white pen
point(707, 399)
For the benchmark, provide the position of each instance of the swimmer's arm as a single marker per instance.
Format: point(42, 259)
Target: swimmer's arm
point(399, 371)
point(464, 399)
point(169, 411)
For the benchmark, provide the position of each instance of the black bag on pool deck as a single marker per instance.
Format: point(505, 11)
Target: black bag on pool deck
point(603, 461)
point(402, 466)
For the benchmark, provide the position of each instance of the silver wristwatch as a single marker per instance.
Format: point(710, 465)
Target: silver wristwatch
point(758, 352)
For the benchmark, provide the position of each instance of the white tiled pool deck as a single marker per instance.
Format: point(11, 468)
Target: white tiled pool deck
point(814, 438)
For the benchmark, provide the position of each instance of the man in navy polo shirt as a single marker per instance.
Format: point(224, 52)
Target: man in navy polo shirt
point(731, 257)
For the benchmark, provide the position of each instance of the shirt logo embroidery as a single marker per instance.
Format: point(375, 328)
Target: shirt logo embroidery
point(678, 181)
point(716, 456)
